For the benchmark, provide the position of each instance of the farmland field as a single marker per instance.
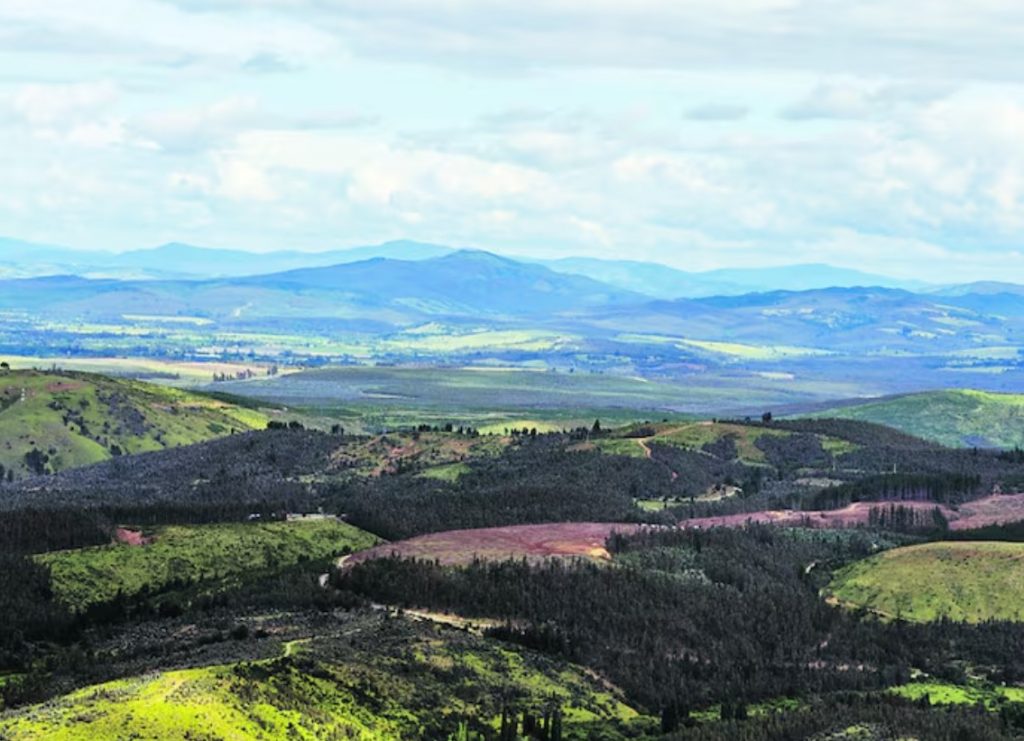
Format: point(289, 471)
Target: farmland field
point(961, 581)
point(175, 554)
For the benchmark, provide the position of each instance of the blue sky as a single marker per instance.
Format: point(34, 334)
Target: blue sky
point(885, 135)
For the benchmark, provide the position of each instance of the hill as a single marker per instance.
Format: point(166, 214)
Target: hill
point(963, 418)
point(386, 291)
point(462, 282)
point(962, 581)
point(661, 281)
point(51, 420)
point(215, 556)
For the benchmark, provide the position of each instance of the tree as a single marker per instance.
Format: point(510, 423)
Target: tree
point(597, 426)
point(766, 418)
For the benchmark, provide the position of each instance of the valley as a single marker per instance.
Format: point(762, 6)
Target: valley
point(504, 579)
point(353, 501)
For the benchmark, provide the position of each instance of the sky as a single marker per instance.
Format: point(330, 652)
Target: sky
point(883, 135)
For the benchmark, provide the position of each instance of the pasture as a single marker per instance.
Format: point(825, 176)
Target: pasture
point(961, 581)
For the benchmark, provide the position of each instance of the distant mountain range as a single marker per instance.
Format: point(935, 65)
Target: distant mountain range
point(466, 283)
point(382, 295)
point(469, 307)
point(182, 261)
point(661, 281)
point(20, 259)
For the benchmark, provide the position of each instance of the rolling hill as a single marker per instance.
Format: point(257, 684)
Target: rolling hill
point(951, 417)
point(359, 677)
point(50, 421)
point(970, 582)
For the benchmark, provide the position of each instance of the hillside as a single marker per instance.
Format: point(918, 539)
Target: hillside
point(50, 421)
point(970, 581)
point(358, 677)
point(953, 417)
point(216, 556)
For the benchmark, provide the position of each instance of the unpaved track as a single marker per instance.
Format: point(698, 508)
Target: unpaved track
point(649, 455)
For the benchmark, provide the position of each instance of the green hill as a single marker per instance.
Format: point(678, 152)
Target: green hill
point(53, 420)
point(373, 679)
point(954, 417)
point(963, 581)
point(215, 556)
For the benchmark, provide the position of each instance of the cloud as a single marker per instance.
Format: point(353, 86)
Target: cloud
point(522, 125)
point(858, 100)
point(937, 38)
point(201, 128)
point(718, 112)
point(268, 63)
point(49, 104)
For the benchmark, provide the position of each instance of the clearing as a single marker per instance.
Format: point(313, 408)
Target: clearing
point(962, 581)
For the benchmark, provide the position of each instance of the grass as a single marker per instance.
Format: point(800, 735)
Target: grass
point(449, 472)
point(962, 581)
point(217, 554)
point(491, 340)
point(754, 352)
point(507, 394)
point(697, 435)
point(387, 682)
point(74, 419)
point(953, 417)
point(945, 693)
point(166, 372)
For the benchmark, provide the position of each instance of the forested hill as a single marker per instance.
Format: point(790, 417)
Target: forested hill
point(54, 420)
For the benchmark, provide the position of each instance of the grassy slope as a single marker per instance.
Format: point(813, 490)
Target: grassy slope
point(437, 678)
point(969, 581)
point(76, 418)
point(210, 553)
point(954, 418)
point(944, 693)
point(695, 435)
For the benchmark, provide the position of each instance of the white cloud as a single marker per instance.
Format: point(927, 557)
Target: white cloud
point(848, 99)
point(700, 132)
point(47, 105)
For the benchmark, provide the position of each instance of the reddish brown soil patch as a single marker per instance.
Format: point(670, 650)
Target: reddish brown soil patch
point(534, 542)
point(854, 514)
point(59, 386)
point(995, 509)
point(131, 537)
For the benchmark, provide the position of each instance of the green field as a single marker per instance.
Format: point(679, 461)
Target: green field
point(974, 694)
point(961, 581)
point(955, 418)
point(52, 421)
point(374, 681)
point(218, 555)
